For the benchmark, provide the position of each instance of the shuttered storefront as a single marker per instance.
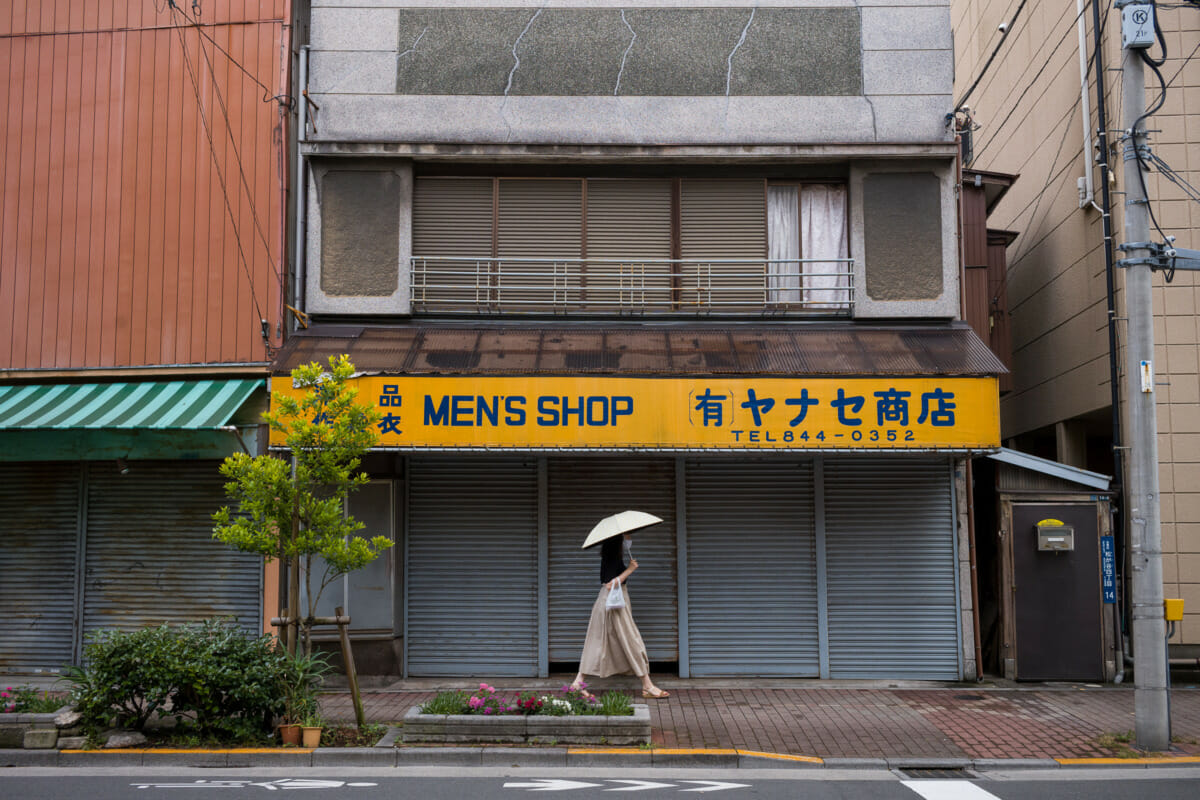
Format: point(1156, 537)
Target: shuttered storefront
point(150, 555)
point(38, 536)
point(471, 567)
point(581, 492)
point(890, 549)
point(752, 572)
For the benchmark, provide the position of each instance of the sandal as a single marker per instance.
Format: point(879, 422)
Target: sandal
point(584, 693)
point(660, 694)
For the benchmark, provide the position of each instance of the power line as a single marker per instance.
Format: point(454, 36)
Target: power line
point(1051, 175)
point(285, 98)
point(241, 167)
point(1008, 28)
point(995, 131)
point(187, 60)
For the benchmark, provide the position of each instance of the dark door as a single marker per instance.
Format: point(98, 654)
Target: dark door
point(1057, 597)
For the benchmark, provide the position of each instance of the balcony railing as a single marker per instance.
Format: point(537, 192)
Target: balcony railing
point(456, 285)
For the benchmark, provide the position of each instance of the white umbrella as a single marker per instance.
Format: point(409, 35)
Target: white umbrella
point(617, 524)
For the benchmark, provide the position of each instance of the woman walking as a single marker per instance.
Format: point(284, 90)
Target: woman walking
point(613, 645)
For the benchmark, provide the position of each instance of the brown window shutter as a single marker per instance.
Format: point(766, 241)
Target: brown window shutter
point(540, 219)
point(629, 221)
point(452, 217)
point(722, 220)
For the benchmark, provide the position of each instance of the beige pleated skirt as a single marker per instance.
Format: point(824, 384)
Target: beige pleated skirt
point(613, 645)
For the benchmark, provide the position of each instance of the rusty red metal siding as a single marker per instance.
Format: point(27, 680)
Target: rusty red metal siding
point(117, 247)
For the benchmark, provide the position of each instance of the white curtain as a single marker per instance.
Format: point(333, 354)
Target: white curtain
point(823, 233)
point(783, 245)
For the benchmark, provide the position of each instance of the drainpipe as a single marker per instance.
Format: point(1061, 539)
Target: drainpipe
point(301, 187)
point(1087, 192)
point(974, 571)
point(970, 473)
point(1114, 375)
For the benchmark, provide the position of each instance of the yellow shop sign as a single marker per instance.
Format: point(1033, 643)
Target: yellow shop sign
point(596, 412)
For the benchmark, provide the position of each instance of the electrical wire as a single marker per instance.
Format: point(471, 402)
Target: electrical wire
point(1070, 29)
point(241, 167)
point(1134, 134)
point(285, 98)
point(1051, 176)
point(1164, 169)
point(1012, 24)
point(187, 60)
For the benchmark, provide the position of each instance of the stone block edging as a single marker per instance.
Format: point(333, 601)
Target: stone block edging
point(535, 729)
point(15, 730)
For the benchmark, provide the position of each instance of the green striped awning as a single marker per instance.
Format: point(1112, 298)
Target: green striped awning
point(150, 405)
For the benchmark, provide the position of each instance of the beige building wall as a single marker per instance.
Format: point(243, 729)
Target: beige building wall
point(1029, 114)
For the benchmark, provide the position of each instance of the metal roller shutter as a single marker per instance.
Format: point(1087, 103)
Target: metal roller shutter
point(452, 217)
point(539, 219)
point(150, 554)
point(38, 537)
point(890, 551)
point(582, 491)
point(752, 573)
point(719, 220)
point(629, 221)
point(471, 567)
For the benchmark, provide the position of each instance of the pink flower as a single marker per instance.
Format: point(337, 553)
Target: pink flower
point(475, 702)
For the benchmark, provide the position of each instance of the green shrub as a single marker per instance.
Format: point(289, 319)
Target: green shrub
point(454, 702)
point(213, 677)
point(614, 704)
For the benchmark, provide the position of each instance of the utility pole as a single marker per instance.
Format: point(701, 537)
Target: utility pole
point(1152, 723)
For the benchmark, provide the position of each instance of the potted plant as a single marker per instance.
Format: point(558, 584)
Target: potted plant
point(311, 730)
point(302, 677)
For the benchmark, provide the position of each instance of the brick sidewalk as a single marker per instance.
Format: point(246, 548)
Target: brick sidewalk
point(958, 722)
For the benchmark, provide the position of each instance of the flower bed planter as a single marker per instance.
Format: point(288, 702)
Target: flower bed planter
point(534, 729)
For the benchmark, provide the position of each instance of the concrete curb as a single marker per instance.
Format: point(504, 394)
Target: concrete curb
point(493, 756)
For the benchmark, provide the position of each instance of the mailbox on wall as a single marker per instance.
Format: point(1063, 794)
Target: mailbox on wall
point(1054, 535)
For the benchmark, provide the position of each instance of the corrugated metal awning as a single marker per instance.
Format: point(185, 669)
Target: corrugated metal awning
point(1045, 466)
point(782, 350)
point(160, 405)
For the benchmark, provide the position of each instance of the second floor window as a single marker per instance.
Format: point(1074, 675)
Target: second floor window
point(629, 244)
point(807, 235)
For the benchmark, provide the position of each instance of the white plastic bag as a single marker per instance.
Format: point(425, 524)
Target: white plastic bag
point(616, 599)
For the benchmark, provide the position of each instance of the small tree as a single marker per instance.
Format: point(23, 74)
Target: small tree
point(295, 512)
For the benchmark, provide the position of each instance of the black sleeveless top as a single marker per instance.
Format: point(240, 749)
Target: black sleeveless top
point(612, 562)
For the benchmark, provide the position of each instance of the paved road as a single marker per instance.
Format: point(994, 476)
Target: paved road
point(1175, 783)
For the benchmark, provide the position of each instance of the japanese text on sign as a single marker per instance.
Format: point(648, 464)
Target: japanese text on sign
point(682, 413)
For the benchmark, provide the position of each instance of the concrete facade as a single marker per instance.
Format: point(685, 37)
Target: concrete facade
point(1028, 106)
point(771, 93)
point(833, 81)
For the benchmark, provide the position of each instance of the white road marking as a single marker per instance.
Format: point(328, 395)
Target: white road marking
point(949, 790)
point(714, 786)
point(637, 786)
point(548, 785)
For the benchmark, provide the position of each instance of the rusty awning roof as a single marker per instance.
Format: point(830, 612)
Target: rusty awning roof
point(646, 350)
